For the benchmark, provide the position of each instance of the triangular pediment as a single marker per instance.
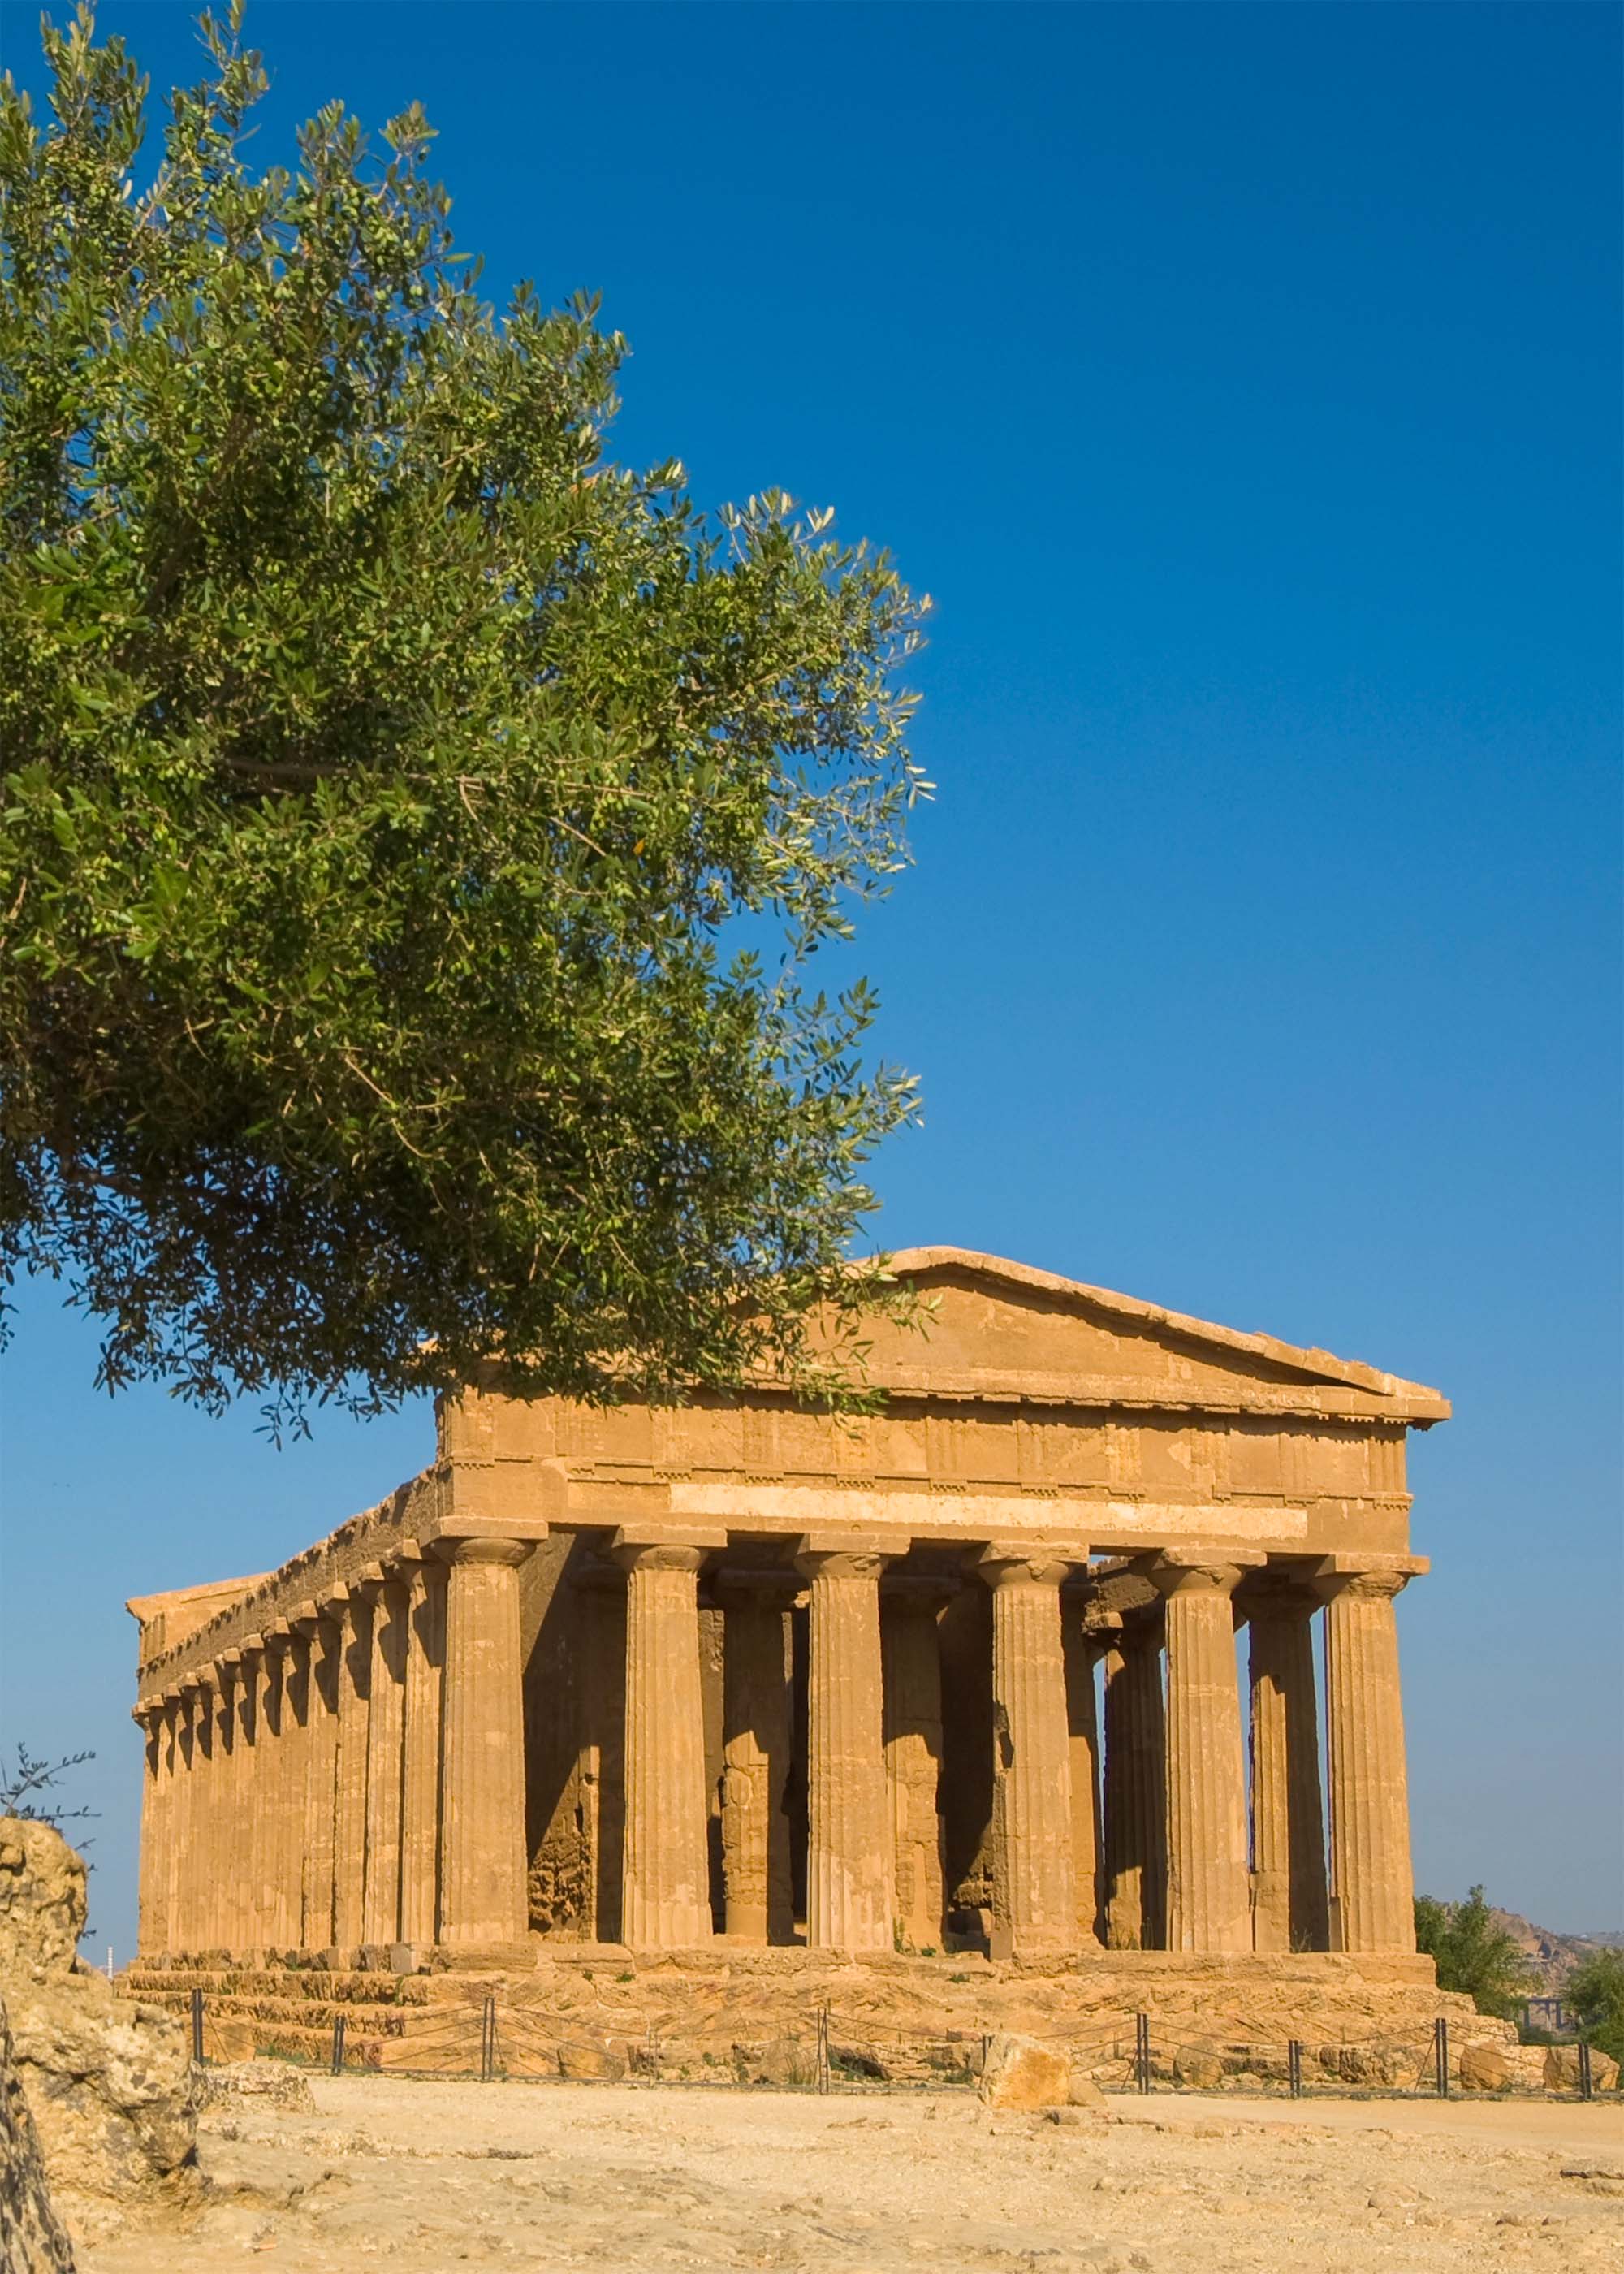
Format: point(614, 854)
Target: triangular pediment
point(997, 1328)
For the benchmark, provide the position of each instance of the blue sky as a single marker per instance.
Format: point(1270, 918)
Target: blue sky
point(1243, 383)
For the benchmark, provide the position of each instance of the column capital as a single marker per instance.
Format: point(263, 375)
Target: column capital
point(1201, 1570)
point(1026, 1562)
point(307, 1618)
point(1277, 1593)
point(1373, 1577)
point(477, 1549)
point(656, 1555)
point(842, 1556)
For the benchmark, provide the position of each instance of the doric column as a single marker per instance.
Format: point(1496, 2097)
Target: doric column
point(322, 1643)
point(849, 1899)
point(247, 1776)
point(152, 1926)
point(1035, 1881)
point(755, 1756)
point(281, 1792)
point(1135, 1810)
point(1209, 1895)
point(380, 1901)
point(1372, 1892)
point(1287, 1822)
point(482, 1863)
point(425, 1659)
point(183, 1812)
point(203, 1820)
point(666, 1882)
point(354, 1617)
point(237, 1877)
point(1084, 1640)
point(911, 1667)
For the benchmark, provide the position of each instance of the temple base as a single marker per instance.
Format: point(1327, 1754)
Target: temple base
point(740, 2010)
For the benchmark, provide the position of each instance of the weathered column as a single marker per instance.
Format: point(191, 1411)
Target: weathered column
point(354, 1617)
point(483, 1865)
point(183, 1809)
point(380, 1899)
point(1034, 1882)
point(1209, 1895)
point(1083, 1640)
point(849, 1898)
point(280, 1794)
point(666, 1881)
point(1288, 1822)
point(323, 1643)
point(1135, 1803)
point(911, 1668)
point(248, 1776)
point(222, 1842)
point(756, 1755)
point(1372, 1891)
point(293, 1798)
point(203, 1823)
point(152, 1925)
point(425, 1658)
point(237, 1877)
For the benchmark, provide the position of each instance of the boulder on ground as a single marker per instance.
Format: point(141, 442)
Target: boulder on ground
point(1026, 2072)
point(1560, 2067)
point(783, 2061)
point(587, 2064)
point(1489, 2066)
point(263, 2083)
point(1085, 2093)
point(32, 2237)
point(107, 2081)
point(1203, 2070)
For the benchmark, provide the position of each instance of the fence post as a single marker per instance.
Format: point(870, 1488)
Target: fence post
point(1141, 2050)
point(1294, 2068)
point(823, 2048)
point(487, 2041)
point(1585, 2086)
point(197, 2027)
point(338, 2045)
point(1440, 2056)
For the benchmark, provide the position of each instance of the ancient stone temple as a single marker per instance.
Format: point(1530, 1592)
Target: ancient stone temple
point(963, 1677)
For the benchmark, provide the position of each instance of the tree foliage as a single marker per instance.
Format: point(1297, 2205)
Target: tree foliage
point(416, 824)
point(1594, 1995)
point(29, 1790)
point(1473, 1954)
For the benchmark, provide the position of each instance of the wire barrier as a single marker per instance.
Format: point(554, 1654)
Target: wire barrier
point(502, 2033)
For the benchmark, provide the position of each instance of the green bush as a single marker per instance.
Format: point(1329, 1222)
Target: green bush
point(1594, 1995)
point(1473, 1954)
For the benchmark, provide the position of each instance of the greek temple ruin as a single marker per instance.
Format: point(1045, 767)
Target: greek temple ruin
point(960, 1675)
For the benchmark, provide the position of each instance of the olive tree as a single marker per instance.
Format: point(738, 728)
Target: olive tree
point(417, 825)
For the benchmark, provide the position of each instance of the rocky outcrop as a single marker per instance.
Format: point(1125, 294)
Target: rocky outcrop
point(32, 2237)
point(107, 2082)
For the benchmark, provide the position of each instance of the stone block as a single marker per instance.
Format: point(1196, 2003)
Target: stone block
point(1026, 2072)
point(1203, 2070)
point(261, 2084)
point(41, 1900)
point(1085, 2093)
point(1560, 2068)
point(589, 2064)
point(404, 1958)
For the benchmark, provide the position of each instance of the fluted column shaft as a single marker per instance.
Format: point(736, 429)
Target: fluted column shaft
point(1135, 1809)
point(355, 1618)
point(1209, 1897)
point(154, 1923)
point(323, 1643)
point(381, 1902)
point(483, 1863)
point(205, 1821)
point(183, 1849)
point(756, 1752)
point(1288, 1822)
point(247, 1766)
point(237, 1878)
point(425, 1658)
point(1372, 1891)
point(1034, 1880)
point(849, 1896)
point(665, 1872)
point(1082, 1647)
point(911, 1667)
point(281, 1794)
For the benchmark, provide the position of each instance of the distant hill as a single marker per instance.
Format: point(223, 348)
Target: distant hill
point(1555, 1955)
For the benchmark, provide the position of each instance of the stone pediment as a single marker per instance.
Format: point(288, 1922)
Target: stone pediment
point(998, 1329)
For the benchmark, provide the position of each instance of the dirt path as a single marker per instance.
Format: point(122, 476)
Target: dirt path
point(430, 2177)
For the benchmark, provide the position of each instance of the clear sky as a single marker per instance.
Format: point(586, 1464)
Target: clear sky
point(1243, 383)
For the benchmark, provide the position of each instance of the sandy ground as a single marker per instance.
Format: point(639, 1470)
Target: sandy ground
point(430, 2176)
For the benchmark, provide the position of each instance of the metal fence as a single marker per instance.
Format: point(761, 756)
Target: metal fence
point(497, 2035)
